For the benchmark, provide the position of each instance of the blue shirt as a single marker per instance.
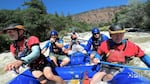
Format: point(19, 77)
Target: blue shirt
point(52, 46)
point(90, 44)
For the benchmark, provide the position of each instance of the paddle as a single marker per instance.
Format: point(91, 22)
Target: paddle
point(86, 79)
point(124, 66)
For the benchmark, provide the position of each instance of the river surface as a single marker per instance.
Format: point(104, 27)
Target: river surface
point(140, 38)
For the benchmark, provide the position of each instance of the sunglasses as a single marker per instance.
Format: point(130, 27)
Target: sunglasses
point(10, 31)
point(54, 36)
point(96, 33)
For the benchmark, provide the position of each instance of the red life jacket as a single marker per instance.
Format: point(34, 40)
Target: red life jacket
point(23, 48)
point(130, 49)
point(116, 55)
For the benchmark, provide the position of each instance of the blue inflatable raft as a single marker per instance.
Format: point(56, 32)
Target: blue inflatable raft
point(79, 64)
point(76, 69)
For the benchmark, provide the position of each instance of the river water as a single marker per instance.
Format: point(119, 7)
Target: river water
point(140, 38)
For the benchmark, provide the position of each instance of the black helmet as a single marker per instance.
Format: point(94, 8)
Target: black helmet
point(14, 26)
point(116, 28)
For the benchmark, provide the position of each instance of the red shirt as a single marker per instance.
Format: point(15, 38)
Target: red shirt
point(130, 50)
point(32, 40)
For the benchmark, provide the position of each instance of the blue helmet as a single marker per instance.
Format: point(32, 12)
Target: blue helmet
point(95, 30)
point(53, 32)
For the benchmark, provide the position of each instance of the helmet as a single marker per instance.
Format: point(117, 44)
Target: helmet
point(95, 30)
point(14, 26)
point(53, 32)
point(113, 29)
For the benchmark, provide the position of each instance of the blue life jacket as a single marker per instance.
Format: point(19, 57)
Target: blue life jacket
point(94, 43)
point(54, 49)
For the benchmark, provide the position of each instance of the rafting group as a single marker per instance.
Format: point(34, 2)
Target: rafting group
point(97, 60)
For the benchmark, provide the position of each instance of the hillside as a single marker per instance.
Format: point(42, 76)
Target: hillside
point(104, 15)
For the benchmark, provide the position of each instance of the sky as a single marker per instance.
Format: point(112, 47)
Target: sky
point(66, 6)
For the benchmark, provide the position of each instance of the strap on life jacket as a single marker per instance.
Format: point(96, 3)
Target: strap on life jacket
point(111, 47)
point(111, 44)
point(54, 47)
point(124, 41)
point(17, 50)
point(26, 35)
point(96, 42)
point(25, 52)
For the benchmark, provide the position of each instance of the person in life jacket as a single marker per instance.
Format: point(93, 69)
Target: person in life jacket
point(117, 50)
point(93, 43)
point(55, 46)
point(26, 51)
point(74, 45)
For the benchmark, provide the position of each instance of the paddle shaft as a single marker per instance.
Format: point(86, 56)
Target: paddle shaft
point(124, 66)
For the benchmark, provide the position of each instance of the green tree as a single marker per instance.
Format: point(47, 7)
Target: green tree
point(133, 15)
point(147, 17)
point(36, 4)
point(56, 14)
point(62, 14)
point(34, 18)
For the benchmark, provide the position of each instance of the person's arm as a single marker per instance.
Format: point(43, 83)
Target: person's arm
point(88, 46)
point(33, 55)
point(70, 46)
point(44, 49)
point(104, 37)
point(97, 58)
point(59, 43)
point(146, 60)
point(24, 60)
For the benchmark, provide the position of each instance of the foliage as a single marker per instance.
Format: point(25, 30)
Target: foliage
point(104, 24)
point(7, 17)
point(37, 21)
point(104, 28)
point(4, 43)
point(34, 18)
point(133, 15)
point(147, 17)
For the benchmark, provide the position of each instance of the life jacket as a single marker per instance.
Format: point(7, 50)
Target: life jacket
point(26, 52)
point(96, 42)
point(116, 55)
point(54, 49)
